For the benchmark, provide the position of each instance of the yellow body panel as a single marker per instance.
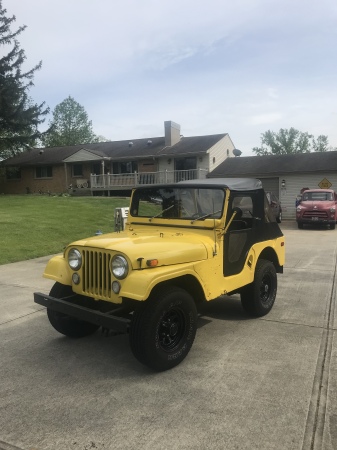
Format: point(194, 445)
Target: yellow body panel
point(208, 271)
point(57, 269)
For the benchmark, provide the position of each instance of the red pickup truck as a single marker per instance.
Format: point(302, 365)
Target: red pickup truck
point(317, 206)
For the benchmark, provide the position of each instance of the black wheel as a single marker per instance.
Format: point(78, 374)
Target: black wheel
point(163, 329)
point(69, 326)
point(332, 226)
point(279, 218)
point(258, 298)
point(300, 225)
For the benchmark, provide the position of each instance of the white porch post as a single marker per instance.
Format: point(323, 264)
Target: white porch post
point(66, 173)
point(103, 174)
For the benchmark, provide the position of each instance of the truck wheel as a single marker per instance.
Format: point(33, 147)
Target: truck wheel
point(69, 326)
point(279, 218)
point(332, 226)
point(163, 329)
point(257, 298)
point(300, 225)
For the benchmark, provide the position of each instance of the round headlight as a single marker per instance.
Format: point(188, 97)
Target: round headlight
point(74, 259)
point(119, 266)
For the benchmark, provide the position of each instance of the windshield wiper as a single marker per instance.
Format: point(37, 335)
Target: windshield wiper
point(205, 216)
point(164, 210)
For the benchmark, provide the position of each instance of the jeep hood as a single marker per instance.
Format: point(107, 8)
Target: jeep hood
point(167, 247)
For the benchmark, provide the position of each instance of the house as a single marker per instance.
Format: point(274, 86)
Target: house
point(285, 175)
point(107, 168)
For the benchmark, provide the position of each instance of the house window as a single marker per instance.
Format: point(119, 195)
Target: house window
point(44, 172)
point(77, 170)
point(124, 167)
point(96, 168)
point(185, 163)
point(185, 169)
point(13, 173)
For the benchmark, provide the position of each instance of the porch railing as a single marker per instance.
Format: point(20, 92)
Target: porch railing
point(129, 180)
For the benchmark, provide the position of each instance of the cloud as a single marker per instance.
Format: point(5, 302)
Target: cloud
point(265, 119)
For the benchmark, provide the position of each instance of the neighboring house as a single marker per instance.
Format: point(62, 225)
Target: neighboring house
point(108, 167)
point(285, 175)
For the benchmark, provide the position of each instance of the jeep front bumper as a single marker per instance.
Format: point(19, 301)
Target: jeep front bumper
point(104, 319)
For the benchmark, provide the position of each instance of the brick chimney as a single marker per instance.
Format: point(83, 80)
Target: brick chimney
point(172, 133)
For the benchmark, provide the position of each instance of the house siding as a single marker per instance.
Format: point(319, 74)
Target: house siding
point(219, 152)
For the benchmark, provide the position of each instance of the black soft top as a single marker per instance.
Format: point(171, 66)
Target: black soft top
point(234, 184)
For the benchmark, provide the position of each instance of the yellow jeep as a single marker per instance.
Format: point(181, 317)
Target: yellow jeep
point(183, 244)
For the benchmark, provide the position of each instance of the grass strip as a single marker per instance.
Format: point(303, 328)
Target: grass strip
point(39, 225)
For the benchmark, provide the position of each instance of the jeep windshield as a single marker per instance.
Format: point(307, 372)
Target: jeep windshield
point(177, 203)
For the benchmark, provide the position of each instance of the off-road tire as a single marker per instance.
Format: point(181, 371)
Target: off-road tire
point(64, 324)
point(332, 226)
point(300, 225)
point(163, 329)
point(258, 298)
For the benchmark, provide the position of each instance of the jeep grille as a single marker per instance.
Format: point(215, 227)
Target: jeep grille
point(96, 278)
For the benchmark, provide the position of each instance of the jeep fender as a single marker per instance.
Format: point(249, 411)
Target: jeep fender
point(57, 269)
point(140, 283)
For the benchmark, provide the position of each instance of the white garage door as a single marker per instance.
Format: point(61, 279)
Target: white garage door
point(271, 185)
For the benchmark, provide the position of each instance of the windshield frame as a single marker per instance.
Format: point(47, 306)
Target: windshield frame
point(185, 203)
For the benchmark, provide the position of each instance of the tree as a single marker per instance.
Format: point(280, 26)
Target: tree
point(70, 125)
point(19, 116)
point(290, 141)
point(321, 144)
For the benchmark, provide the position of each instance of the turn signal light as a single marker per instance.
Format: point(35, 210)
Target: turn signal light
point(152, 262)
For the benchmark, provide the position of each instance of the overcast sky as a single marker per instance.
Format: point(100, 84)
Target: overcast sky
point(239, 67)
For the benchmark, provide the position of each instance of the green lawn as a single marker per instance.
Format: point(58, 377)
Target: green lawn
point(32, 226)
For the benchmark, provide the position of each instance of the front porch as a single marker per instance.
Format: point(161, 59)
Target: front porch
point(127, 181)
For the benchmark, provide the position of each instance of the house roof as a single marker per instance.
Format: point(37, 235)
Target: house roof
point(253, 166)
point(130, 149)
point(193, 144)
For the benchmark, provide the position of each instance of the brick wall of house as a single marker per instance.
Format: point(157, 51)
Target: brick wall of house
point(30, 184)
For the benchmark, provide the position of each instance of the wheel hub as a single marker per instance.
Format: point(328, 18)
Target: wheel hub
point(171, 330)
point(265, 289)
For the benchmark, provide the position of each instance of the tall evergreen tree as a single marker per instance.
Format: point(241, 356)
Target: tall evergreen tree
point(19, 116)
point(70, 125)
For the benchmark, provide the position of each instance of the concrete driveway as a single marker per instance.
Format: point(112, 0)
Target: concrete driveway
point(261, 384)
